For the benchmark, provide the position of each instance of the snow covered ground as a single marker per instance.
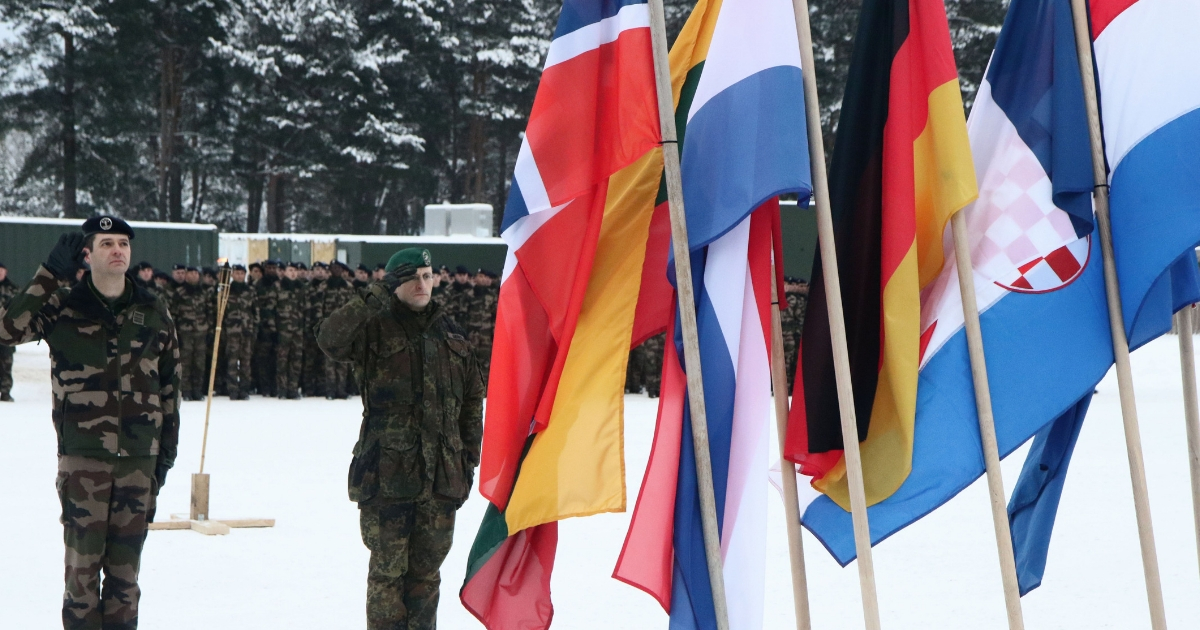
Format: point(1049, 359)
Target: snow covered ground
point(288, 460)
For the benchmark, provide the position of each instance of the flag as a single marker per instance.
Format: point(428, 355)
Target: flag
point(1040, 289)
point(577, 223)
point(901, 168)
point(1147, 62)
point(739, 105)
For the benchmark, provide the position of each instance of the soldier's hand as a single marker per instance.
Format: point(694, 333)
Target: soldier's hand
point(67, 256)
point(160, 475)
point(399, 276)
point(378, 295)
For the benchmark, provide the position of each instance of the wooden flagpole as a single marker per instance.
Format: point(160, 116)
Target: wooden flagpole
point(837, 322)
point(987, 424)
point(1191, 410)
point(787, 470)
point(1133, 438)
point(687, 312)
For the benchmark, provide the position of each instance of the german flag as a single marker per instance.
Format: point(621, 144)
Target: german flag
point(901, 168)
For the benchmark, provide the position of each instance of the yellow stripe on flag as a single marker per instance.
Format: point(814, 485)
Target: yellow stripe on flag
point(691, 46)
point(944, 178)
point(576, 466)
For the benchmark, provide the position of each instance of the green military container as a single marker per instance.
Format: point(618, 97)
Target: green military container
point(26, 241)
point(799, 239)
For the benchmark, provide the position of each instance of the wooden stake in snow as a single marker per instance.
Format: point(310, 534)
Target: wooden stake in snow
point(1191, 410)
point(987, 424)
point(837, 323)
point(787, 470)
point(1133, 438)
point(687, 312)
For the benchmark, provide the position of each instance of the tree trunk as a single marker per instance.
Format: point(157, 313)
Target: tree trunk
point(275, 213)
point(69, 149)
point(170, 183)
point(501, 179)
point(175, 196)
point(254, 188)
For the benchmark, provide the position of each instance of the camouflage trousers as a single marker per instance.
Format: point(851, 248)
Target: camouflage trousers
point(6, 367)
point(106, 505)
point(408, 543)
point(238, 349)
point(263, 366)
point(313, 377)
point(192, 353)
point(337, 377)
point(289, 362)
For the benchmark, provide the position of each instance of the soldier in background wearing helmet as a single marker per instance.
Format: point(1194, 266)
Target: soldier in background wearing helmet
point(7, 291)
point(114, 374)
point(419, 444)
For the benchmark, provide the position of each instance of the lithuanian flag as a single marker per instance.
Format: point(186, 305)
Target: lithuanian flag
point(901, 168)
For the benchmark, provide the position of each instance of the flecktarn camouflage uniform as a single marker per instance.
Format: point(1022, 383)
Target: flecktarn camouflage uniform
point(7, 291)
point(417, 450)
point(115, 379)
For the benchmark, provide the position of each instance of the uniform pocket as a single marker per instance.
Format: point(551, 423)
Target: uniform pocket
point(400, 477)
point(363, 479)
point(454, 475)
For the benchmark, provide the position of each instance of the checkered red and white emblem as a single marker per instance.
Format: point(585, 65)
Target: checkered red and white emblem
point(1052, 271)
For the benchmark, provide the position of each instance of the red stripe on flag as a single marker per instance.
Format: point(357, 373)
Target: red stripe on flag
point(815, 465)
point(593, 115)
point(656, 297)
point(1105, 11)
point(512, 590)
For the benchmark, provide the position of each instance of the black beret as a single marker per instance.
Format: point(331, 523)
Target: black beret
point(209, 271)
point(144, 265)
point(180, 267)
point(320, 264)
point(193, 269)
point(300, 265)
point(257, 266)
point(381, 266)
point(490, 274)
point(161, 274)
point(461, 269)
point(105, 224)
point(363, 267)
point(239, 267)
point(273, 261)
point(2, 266)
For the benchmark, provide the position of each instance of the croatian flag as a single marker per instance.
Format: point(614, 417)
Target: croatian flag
point(736, 73)
point(1037, 270)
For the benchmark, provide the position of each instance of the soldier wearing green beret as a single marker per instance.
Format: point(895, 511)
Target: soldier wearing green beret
point(422, 428)
point(115, 378)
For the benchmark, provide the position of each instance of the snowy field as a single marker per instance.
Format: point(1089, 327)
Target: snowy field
point(288, 460)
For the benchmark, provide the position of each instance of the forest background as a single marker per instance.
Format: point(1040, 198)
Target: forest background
point(319, 116)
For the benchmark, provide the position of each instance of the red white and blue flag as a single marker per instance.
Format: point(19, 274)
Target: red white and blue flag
point(1036, 262)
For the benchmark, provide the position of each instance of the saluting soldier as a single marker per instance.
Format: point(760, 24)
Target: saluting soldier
point(7, 290)
point(114, 371)
point(237, 335)
point(289, 325)
point(419, 444)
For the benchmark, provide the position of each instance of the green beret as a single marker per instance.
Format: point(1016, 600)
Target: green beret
point(415, 256)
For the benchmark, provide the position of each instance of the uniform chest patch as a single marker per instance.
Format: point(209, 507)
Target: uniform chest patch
point(139, 318)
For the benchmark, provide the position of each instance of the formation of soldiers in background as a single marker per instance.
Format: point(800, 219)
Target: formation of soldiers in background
point(268, 338)
point(269, 332)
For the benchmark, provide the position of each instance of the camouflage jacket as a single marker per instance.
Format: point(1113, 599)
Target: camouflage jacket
point(115, 377)
point(457, 304)
point(241, 313)
point(290, 306)
point(481, 320)
point(315, 307)
point(195, 308)
point(8, 290)
point(422, 401)
point(337, 294)
point(266, 300)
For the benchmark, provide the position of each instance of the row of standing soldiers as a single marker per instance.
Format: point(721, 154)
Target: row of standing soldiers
point(644, 373)
point(269, 331)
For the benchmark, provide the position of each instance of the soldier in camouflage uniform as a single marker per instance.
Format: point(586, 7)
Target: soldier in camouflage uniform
point(7, 291)
point(419, 444)
point(115, 380)
point(482, 319)
point(237, 335)
point(791, 322)
point(263, 364)
point(314, 359)
point(459, 296)
point(194, 314)
point(290, 296)
point(338, 292)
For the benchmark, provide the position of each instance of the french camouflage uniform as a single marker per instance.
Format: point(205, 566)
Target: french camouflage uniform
point(417, 450)
point(458, 301)
point(644, 371)
point(313, 378)
point(194, 314)
point(7, 291)
point(481, 325)
point(290, 316)
point(263, 365)
point(338, 293)
point(237, 339)
point(791, 322)
point(115, 380)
